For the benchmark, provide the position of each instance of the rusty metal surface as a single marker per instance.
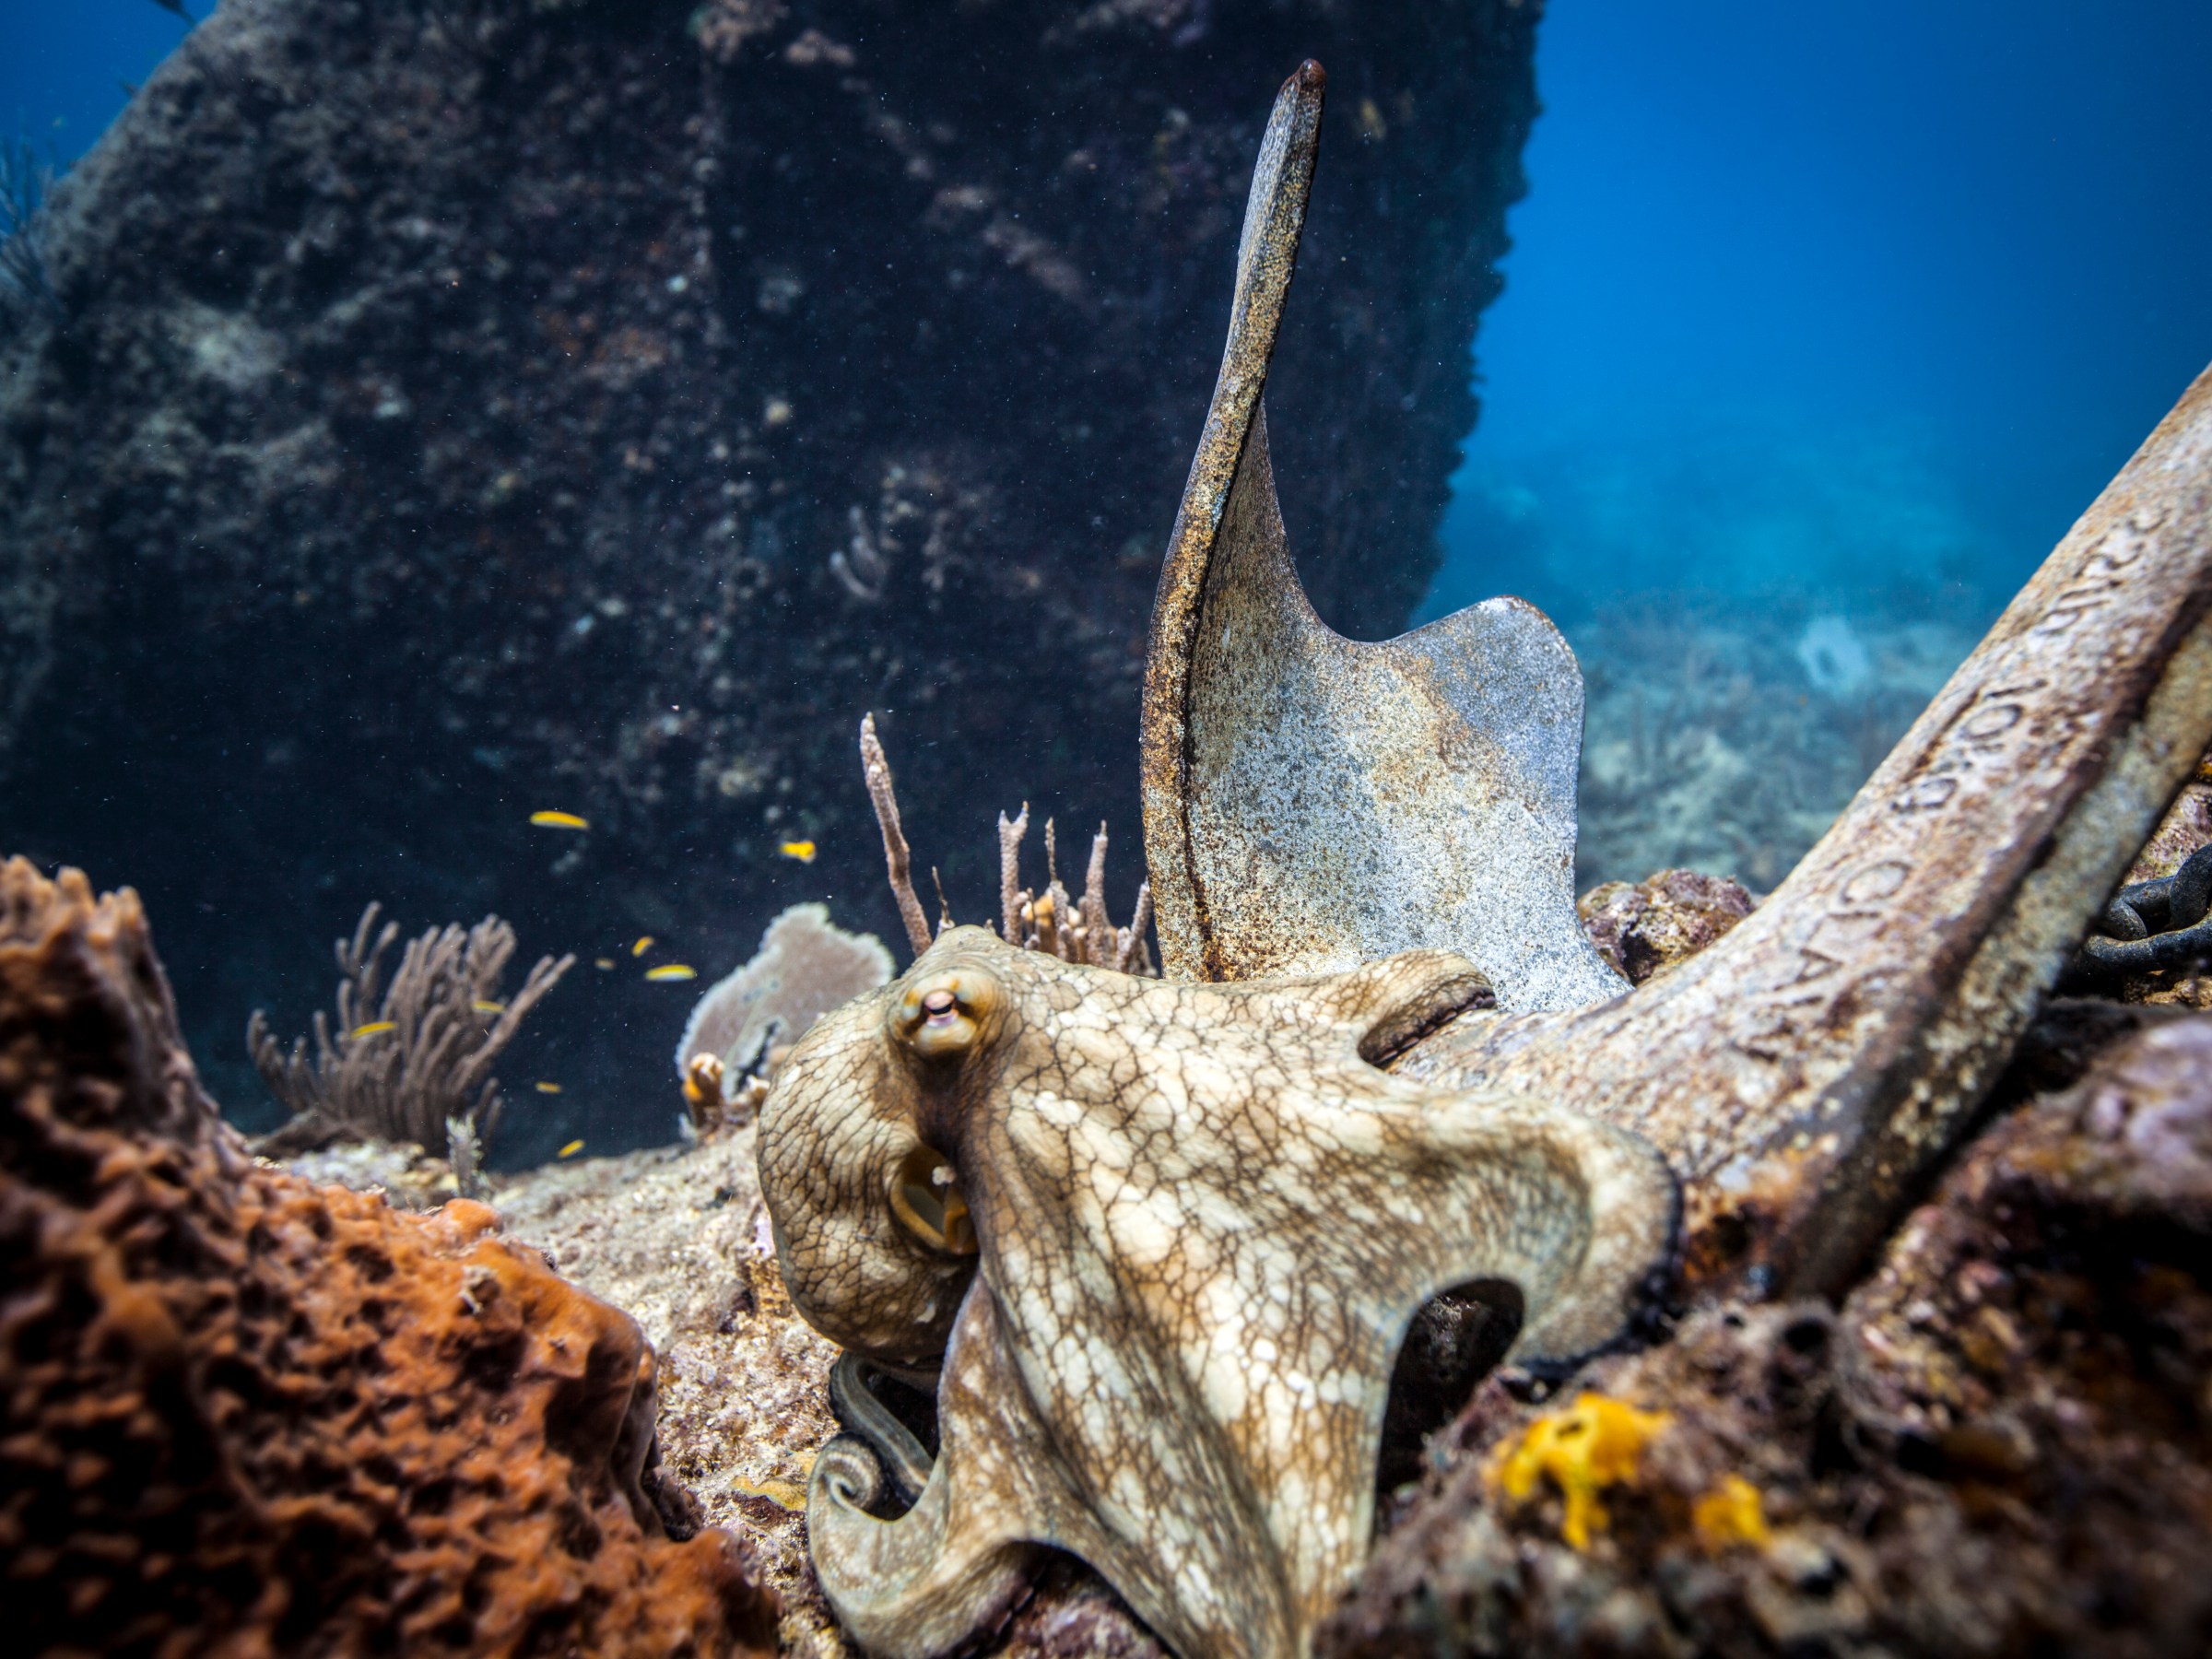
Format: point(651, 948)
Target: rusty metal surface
point(1314, 802)
point(1804, 1073)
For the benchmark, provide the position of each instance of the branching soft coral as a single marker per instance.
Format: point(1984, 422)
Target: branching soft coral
point(410, 1062)
point(1051, 921)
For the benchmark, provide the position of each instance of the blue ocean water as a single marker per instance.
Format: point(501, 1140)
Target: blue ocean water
point(66, 71)
point(1826, 297)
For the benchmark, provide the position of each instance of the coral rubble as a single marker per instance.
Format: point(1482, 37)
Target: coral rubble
point(245, 1415)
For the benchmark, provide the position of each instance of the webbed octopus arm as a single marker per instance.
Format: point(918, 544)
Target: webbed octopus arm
point(920, 1586)
point(1578, 1216)
point(1202, 1220)
point(1210, 1220)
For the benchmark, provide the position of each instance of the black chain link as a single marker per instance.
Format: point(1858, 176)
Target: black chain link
point(2149, 926)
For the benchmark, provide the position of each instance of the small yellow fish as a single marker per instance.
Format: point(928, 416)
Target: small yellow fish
point(546, 1087)
point(802, 850)
point(670, 970)
point(559, 820)
point(643, 945)
point(570, 1150)
point(482, 1006)
point(375, 1028)
point(604, 964)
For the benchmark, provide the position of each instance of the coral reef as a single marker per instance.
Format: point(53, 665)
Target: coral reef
point(408, 1174)
point(247, 1414)
point(1642, 929)
point(1999, 1445)
point(1711, 745)
point(550, 369)
point(411, 1060)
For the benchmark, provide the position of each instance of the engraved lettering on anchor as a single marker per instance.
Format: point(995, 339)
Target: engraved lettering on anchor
point(1870, 884)
point(2096, 579)
point(1925, 795)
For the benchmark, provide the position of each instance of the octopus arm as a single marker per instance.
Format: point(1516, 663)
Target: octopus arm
point(957, 1562)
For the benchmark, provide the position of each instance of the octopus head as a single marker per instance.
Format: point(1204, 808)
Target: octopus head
point(858, 1137)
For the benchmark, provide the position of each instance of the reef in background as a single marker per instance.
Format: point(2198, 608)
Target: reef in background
point(457, 411)
point(244, 1414)
point(1728, 740)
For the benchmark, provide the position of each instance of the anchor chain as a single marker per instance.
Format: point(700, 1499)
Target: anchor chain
point(2151, 925)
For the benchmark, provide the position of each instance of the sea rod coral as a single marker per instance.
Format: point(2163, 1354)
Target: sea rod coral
point(239, 1414)
point(1050, 921)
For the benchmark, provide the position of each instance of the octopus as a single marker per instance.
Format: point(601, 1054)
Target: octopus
point(1156, 1245)
point(1111, 1204)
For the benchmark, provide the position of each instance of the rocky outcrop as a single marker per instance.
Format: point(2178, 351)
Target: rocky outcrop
point(1643, 929)
point(464, 410)
point(2000, 1444)
point(241, 1414)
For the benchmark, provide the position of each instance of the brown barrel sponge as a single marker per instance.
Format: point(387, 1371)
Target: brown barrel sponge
point(243, 1415)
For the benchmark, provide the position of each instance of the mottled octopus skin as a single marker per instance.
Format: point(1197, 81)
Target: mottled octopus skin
point(1204, 1222)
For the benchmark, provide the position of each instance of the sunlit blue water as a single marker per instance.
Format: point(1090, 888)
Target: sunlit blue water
point(65, 69)
point(1821, 296)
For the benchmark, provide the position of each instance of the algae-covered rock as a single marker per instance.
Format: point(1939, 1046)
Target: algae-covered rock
point(2000, 1444)
point(1643, 929)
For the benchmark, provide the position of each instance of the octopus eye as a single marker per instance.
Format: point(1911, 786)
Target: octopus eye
point(926, 1197)
point(943, 1015)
